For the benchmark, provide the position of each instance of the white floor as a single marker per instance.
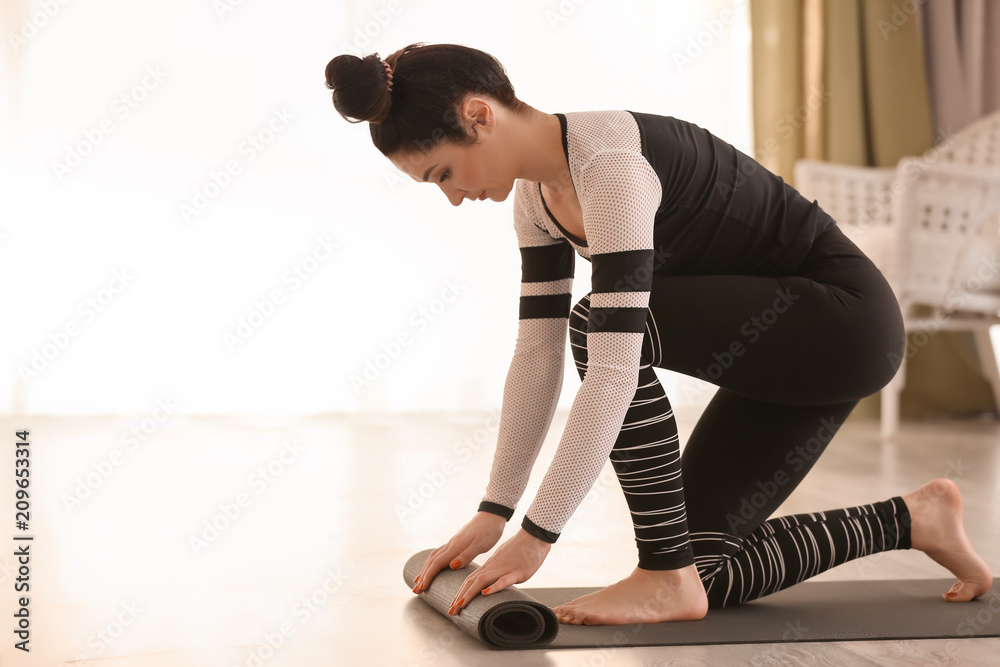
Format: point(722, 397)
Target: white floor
point(314, 518)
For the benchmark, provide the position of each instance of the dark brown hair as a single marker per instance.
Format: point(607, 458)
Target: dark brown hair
point(429, 83)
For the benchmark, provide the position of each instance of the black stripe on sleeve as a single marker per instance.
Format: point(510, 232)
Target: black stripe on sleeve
point(544, 263)
point(629, 320)
point(547, 305)
point(539, 532)
point(625, 271)
point(496, 508)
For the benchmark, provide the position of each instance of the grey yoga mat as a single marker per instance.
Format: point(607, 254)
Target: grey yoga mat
point(812, 611)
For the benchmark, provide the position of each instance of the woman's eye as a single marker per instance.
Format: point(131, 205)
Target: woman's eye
point(441, 180)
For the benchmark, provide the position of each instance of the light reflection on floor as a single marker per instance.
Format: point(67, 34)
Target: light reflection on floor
point(281, 542)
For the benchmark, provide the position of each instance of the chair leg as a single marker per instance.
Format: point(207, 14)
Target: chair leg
point(987, 357)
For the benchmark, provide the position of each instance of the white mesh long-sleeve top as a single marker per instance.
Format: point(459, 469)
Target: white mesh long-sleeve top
point(660, 196)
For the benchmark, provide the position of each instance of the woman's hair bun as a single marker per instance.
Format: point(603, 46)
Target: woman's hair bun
point(360, 88)
point(423, 108)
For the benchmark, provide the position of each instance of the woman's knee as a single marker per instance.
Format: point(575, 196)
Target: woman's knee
point(886, 340)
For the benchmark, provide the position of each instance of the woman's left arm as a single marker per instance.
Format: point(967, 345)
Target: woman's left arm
point(620, 195)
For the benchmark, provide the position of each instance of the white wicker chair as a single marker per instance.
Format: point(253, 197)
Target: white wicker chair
point(932, 225)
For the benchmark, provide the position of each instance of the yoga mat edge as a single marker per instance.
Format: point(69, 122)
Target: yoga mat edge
point(875, 610)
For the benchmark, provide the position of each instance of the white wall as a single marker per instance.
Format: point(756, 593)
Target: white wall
point(159, 96)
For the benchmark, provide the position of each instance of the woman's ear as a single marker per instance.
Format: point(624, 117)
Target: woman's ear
point(478, 114)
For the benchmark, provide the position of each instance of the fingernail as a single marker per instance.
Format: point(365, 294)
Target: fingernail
point(460, 602)
point(455, 564)
point(416, 587)
point(951, 595)
point(485, 591)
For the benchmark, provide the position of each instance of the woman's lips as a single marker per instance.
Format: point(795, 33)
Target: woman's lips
point(482, 196)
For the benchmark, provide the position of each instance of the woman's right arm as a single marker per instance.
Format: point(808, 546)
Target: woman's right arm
point(534, 379)
point(531, 391)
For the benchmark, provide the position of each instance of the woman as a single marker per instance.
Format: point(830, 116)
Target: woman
point(702, 262)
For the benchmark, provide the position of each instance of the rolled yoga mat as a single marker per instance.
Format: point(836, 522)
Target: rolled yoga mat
point(522, 618)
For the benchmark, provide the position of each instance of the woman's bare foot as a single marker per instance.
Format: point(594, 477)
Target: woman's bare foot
point(645, 596)
point(936, 529)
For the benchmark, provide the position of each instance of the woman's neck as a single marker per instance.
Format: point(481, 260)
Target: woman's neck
point(539, 154)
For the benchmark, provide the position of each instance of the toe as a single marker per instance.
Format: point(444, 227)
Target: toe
point(959, 593)
point(562, 615)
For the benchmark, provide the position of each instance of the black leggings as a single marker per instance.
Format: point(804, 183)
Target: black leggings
point(791, 355)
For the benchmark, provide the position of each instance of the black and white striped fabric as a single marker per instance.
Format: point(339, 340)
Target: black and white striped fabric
point(786, 550)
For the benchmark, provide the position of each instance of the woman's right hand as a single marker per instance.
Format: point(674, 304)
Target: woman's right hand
point(479, 535)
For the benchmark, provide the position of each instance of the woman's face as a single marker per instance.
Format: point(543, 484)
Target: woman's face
point(482, 170)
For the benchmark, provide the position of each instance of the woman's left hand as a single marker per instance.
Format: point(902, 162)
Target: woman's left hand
point(514, 561)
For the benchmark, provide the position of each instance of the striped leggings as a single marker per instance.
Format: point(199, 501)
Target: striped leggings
point(791, 356)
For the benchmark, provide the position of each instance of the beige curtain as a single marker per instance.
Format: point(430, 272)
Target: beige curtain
point(846, 81)
point(963, 59)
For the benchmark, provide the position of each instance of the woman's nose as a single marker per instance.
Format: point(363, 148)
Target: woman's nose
point(454, 196)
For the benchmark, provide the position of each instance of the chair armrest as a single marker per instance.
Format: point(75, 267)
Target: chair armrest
point(860, 199)
point(949, 220)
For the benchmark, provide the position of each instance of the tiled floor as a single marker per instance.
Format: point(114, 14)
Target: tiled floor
point(218, 541)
